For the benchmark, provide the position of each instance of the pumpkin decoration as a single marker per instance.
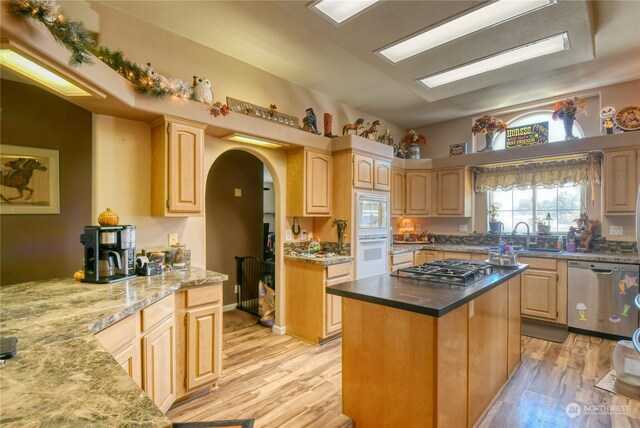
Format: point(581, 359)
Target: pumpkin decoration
point(108, 218)
point(78, 275)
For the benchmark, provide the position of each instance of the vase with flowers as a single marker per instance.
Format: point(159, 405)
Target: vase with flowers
point(566, 110)
point(411, 144)
point(490, 126)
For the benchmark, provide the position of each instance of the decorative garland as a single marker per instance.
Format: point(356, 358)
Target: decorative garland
point(81, 44)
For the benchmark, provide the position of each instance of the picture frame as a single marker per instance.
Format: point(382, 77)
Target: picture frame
point(30, 180)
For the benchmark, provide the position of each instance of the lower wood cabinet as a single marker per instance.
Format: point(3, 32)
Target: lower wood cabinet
point(159, 364)
point(544, 289)
point(401, 261)
point(423, 256)
point(202, 334)
point(311, 313)
point(173, 347)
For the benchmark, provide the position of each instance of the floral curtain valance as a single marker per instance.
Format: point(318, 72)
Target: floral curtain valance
point(548, 174)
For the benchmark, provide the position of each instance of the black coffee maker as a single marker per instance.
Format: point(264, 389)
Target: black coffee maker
point(109, 253)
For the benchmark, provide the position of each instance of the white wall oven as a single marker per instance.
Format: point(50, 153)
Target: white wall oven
point(372, 241)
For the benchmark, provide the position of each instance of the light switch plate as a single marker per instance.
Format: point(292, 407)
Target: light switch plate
point(237, 193)
point(464, 228)
point(288, 236)
point(615, 230)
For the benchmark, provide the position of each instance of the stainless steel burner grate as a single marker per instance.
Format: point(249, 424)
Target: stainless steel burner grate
point(451, 271)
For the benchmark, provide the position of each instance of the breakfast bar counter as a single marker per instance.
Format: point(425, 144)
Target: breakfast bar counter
point(62, 376)
point(427, 354)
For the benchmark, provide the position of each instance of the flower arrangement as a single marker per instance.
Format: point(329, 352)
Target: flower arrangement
point(488, 124)
point(568, 106)
point(413, 137)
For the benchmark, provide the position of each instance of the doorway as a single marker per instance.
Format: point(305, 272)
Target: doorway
point(240, 226)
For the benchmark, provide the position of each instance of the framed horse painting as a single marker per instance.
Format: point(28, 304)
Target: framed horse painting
point(30, 180)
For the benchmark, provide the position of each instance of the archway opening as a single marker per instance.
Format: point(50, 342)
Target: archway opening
point(240, 233)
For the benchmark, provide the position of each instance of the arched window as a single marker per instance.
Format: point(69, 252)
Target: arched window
point(556, 128)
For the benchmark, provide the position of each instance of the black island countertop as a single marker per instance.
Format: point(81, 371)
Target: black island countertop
point(426, 297)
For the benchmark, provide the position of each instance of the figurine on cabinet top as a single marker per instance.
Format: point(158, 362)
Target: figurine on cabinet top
point(310, 122)
point(371, 133)
point(352, 126)
point(202, 90)
point(607, 115)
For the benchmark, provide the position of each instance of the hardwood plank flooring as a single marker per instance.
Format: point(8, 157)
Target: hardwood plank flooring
point(281, 381)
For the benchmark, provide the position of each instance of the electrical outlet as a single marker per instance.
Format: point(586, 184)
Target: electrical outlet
point(237, 290)
point(464, 228)
point(615, 230)
point(288, 236)
point(237, 193)
point(173, 239)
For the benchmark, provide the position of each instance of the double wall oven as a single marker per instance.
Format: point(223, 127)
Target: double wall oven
point(372, 234)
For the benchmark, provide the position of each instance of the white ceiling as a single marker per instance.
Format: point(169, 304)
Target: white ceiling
point(290, 40)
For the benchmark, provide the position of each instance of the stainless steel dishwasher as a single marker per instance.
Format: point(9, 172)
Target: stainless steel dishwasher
point(601, 297)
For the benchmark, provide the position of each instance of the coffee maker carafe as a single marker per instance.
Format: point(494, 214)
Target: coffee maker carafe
point(109, 253)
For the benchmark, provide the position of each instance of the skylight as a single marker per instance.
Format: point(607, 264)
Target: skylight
point(341, 10)
point(485, 17)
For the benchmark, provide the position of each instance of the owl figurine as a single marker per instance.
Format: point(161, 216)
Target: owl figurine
point(202, 90)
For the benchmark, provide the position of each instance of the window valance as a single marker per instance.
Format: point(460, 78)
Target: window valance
point(548, 174)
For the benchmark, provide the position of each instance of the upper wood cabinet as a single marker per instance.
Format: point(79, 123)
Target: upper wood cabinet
point(418, 191)
point(397, 191)
point(382, 175)
point(620, 177)
point(177, 167)
point(309, 178)
point(362, 171)
point(453, 192)
point(371, 173)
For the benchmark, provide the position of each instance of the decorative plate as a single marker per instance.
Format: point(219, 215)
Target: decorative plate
point(628, 118)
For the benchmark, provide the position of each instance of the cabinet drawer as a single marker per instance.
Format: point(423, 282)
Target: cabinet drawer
point(203, 295)
point(342, 269)
point(535, 263)
point(397, 259)
point(153, 314)
point(119, 334)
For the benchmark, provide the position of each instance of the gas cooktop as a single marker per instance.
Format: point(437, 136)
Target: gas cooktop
point(450, 271)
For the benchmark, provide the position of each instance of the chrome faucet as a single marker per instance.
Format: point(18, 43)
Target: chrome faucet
point(528, 234)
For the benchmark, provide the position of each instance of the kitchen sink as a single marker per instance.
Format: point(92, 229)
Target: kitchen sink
point(542, 250)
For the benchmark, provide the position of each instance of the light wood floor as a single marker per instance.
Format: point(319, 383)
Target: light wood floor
point(281, 381)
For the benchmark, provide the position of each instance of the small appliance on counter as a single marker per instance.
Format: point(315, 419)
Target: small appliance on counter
point(109, 253)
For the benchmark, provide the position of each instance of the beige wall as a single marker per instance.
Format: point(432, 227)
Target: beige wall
point(175, 56)
point(457, 131)
point(45, 246)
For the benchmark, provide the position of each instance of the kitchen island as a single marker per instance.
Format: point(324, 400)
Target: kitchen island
point(62, 375)
point(427, 354)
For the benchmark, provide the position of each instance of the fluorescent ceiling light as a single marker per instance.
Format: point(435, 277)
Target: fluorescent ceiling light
point(503, 59)
point(485, 17)
point(240, 138)
point(341, 10)
point(33, 71)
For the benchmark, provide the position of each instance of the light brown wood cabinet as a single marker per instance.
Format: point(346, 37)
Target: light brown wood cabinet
point(122, 340)
point(514, 328)
point(424, 256)
point(159, 351)
point(400, 261)
point(309, 178)
point(620, 182)
point(177, 167)
point(173, 347)
point(203, 335)
point(544, 289)
point(311, 313)
point(418, 193)
point(453, 192)
point(371, 173)
point(397, 191)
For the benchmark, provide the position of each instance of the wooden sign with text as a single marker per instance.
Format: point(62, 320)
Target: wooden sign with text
point(527, 135)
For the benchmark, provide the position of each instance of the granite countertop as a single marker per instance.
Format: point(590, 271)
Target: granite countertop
point(592, 257)
point(425, 297)
point(62, 376)
point(325, 261)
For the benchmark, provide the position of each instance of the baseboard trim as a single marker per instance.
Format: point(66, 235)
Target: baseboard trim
point(279, 330)
point(231, 307)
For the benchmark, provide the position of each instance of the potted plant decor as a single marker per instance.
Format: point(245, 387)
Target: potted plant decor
point(495, 226)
